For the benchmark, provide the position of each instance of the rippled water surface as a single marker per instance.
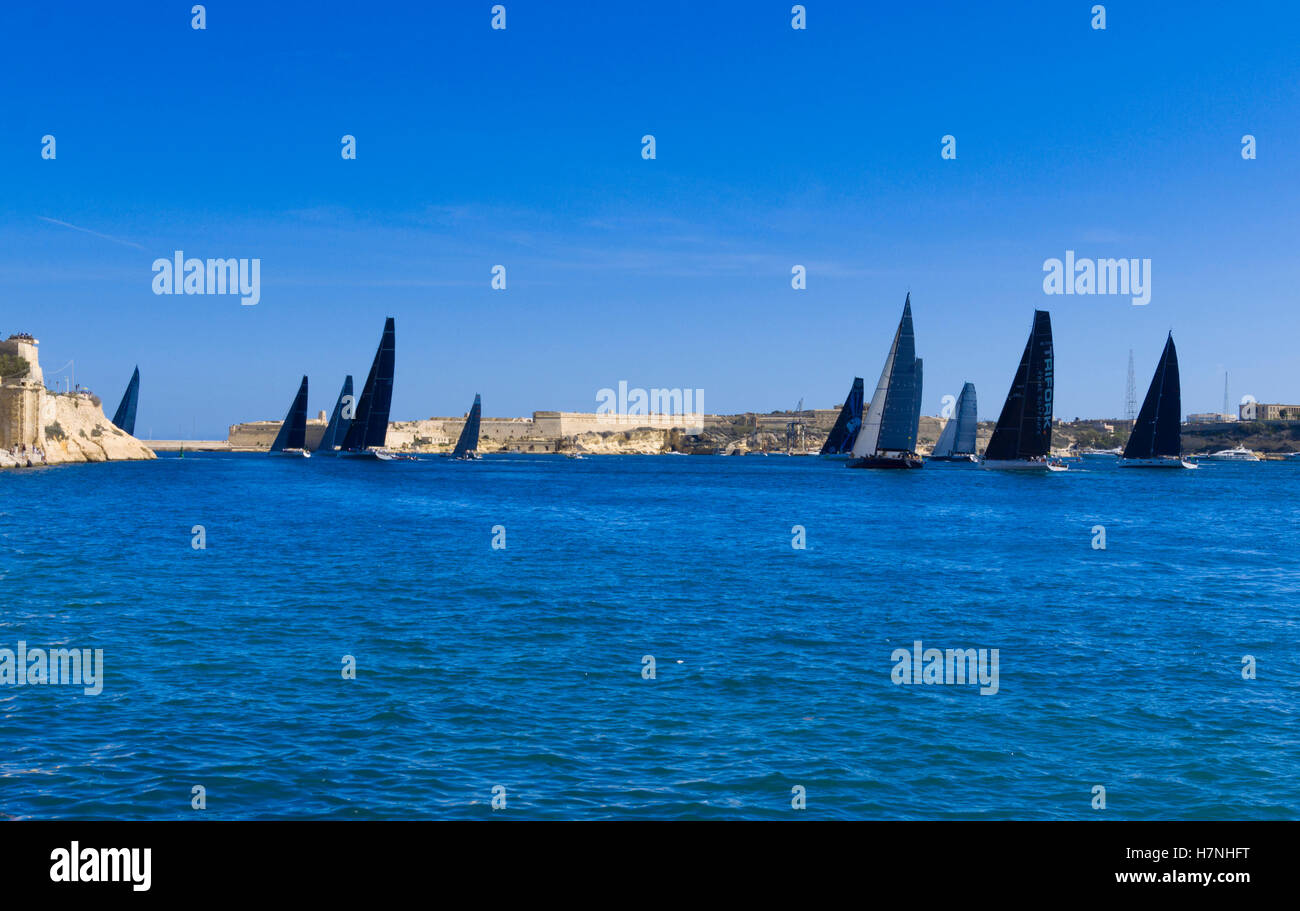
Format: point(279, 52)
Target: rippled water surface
point(522, 667)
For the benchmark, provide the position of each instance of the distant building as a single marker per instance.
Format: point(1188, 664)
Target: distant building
point(1211, 417)
point(1259, 411)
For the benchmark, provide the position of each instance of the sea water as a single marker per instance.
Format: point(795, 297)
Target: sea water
point(647, 639)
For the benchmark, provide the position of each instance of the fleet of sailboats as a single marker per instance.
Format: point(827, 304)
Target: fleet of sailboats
point(883, 435)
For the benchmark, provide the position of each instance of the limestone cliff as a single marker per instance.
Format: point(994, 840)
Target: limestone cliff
point(79, 432)
point(38, 426)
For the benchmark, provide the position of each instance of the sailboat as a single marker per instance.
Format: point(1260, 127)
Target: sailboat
point(467, 445)
point(1157, 440)
point(340, 420)
point(292, 438)
point(369, 429)
point(1022, 438)
point(845, 432)
point(957, 441)
point(888, 437)
point(124, 418)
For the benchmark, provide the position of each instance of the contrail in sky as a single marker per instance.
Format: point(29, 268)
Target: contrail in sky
point(116, 240)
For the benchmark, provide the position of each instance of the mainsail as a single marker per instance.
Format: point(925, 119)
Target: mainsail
point(916, 417)
point(1024, 429)
point(124, 418)
point(340, 419)
point(958, 436)
point(845, 432)
point(468, 441)
point(1158, 429)
point(370, 425)
point(891, 420)
point(293, 432)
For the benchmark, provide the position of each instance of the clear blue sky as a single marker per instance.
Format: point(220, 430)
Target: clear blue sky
point(522, 147)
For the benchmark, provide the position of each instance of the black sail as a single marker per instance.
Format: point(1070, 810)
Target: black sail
point(293, 432)
point(340, 419)
point(845, 432)
point(370, 424)
point(124, 418)
point(899, 415)
point(1158, 428)
point(1024, 429)
point(468, 441)
point(916, 419)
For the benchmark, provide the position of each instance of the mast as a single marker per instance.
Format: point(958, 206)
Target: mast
point(1130, 395)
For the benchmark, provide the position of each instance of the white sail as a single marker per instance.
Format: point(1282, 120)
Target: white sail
point(866, 444)
point(948, 437)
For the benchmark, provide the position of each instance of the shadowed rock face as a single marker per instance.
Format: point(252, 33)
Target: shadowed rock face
point(74, 429)
point(88, 436)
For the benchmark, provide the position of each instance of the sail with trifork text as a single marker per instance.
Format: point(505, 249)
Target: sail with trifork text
point(1024, 428)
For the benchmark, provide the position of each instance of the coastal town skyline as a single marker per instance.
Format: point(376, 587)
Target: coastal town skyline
point(774, 148)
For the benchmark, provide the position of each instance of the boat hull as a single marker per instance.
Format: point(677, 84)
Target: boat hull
point(1021, 465)
point(371, 455)
point(964, 457)
point(1168, 462)
point(296, 453)
point(887, 462)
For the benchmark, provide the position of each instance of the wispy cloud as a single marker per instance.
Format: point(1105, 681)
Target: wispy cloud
point(116, 240)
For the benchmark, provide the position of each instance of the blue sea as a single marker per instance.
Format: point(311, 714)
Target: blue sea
point(521, 671)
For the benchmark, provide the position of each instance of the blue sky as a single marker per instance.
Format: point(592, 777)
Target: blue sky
point(522, 147)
